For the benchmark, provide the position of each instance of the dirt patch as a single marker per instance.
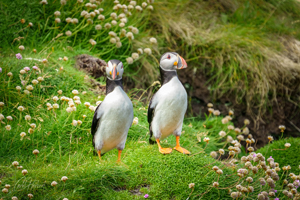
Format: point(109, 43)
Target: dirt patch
point(281, 112)
point(93, 66)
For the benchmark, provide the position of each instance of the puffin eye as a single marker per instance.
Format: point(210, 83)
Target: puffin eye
point(169, 57)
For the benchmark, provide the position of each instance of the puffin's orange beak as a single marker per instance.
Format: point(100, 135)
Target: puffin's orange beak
point(114, 73)
point(181, 64)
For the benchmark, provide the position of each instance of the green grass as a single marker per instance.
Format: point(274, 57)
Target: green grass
point(284, 157)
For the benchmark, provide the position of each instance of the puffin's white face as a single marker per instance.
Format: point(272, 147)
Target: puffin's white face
point(171, 61)
point(114, 70)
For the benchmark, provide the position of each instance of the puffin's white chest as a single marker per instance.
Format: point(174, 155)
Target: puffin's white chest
point(116, 119)
point(171, 106)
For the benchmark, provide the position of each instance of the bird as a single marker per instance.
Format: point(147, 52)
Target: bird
point(114, 115)
point(168, 105)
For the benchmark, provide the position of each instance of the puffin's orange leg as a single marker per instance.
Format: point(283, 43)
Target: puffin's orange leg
point(99, 154)
point(119, 156)
point(163, 150)
point(179, 148)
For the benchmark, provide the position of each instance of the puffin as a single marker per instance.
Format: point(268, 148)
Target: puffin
point(114, 115)
point(168, 105)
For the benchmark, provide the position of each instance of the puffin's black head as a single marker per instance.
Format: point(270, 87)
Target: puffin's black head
point(171, 61)
point(114, 69)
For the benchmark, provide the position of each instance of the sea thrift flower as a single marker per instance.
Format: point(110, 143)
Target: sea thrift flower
point(57, 20)
point(9, 74)
point(35, 152)
point(55, 106)
point(148, 51)
point(130, 36)
point(69, 109)
point(59, 92)
point(222, 133)
point(98, 102)
point(15, 163)
point(191, 185)
point(44, 2)
point(57, 13)
point(221, 151)
point(140, 51)
point(27, 117)
point(153, 40)
point(29, 87)
point(8, 127)
point(213, 154)
point(21, 108)
point(246, 122)
point(287, 145)
point(270, 138)
point(75, 92)
point(2, 117)
point(33, 125)
point(129, 60)
point(19, 56)
point(64, 178)
point(92, 108)
point(216, 184)
point(68, 33)
point(30, 196)
point(34, 82)
point(237, 130)
point(24, 172)
point(135, 56)
point(27, 69)
point(206, 139)
point(282, 128)
point(21, 47)
point(98, 27)
point(150, 7)
point(44, 60)
point(54, 183)
point(22, 71)
point(5, 190)
point(119, 44)
point(40, 79)
point(74, 123)
point(135, 121)
point(9, 118)
point(224, 120)
point(68, 20)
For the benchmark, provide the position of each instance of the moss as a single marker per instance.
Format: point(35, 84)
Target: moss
point(290, 156)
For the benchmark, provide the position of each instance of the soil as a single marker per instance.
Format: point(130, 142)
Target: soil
point(282, 112)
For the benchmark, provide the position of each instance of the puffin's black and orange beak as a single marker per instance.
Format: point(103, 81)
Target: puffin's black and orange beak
point(181, 64)
point(114, 73)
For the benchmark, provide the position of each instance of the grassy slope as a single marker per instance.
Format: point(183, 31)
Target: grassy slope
point(67, 150)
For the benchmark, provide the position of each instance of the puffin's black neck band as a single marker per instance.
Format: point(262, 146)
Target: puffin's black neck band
point(112, 84)
point(166, 76)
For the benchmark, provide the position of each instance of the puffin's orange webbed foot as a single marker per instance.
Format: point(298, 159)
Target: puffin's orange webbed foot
point(165, 150)
point(179, 148)
point(119, 156)
point(182, 150)
point(99, 154)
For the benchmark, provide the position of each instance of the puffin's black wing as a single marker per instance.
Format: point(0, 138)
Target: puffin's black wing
point(151, 109)
point(95, 123)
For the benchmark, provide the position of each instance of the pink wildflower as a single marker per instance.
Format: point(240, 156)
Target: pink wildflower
point(19, 56)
